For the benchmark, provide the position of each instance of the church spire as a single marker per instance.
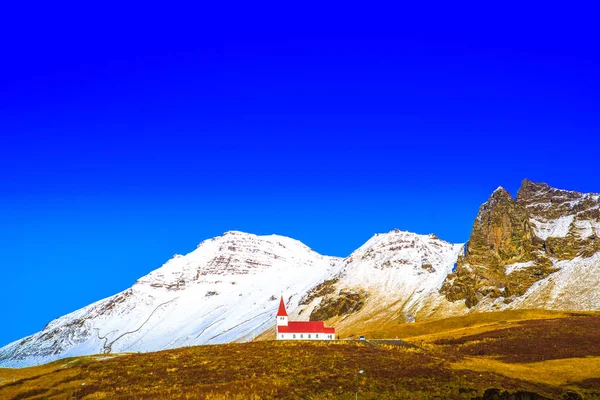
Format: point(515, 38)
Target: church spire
point(281, 312)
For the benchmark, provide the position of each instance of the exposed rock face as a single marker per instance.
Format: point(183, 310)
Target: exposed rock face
point(323, 289)
point(515, 243)
point(502, 235)
point(346, 302)
point(568, 222)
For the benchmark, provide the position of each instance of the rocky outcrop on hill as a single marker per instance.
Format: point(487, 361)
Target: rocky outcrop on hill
point(502, 236)
point(343, 303)
point(568, 222)
point(516, 243)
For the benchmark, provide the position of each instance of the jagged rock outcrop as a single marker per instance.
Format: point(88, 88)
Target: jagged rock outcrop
point(516, 243)
point(568, 222)
point(502, 233)
point(345, 302)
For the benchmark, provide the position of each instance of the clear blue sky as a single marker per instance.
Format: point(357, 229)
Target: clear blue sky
point(132, 134)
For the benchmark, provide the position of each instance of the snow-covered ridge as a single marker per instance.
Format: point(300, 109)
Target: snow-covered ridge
point(400, 266)
point(404, 250)
point(573, 287)
point(558, 213)
point(225, 290)
point(545, 228)
point(233, 253)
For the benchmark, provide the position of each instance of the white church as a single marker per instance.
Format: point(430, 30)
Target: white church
point(301, 330)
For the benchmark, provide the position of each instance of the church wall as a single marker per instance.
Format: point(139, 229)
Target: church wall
point(305, 336)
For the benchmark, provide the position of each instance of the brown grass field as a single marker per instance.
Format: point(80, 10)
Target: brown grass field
point(532, 355)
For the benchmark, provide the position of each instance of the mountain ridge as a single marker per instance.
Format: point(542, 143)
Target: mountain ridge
point(523, 252)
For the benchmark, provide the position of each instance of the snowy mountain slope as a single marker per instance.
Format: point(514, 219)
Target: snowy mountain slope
point(573, 287)
point(394, 276)
point(225, 290)
point(400, 264)
point(558, 213)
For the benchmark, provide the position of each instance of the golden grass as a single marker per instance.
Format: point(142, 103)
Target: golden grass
point(459, 358)
point(461, 325)
point(553, 372)
point(266, 370)
point(370, 323)
point(36, 382)
point(8, 375)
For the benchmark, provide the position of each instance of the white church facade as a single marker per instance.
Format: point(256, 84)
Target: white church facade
point(301, 330)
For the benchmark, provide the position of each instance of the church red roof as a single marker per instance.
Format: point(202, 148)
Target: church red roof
point(281, 312)
point(305, 327)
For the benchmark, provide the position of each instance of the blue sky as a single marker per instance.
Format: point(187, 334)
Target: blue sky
point(128, 137)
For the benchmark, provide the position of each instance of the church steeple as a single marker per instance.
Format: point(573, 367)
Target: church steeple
point(282, 316)
point(281, 312)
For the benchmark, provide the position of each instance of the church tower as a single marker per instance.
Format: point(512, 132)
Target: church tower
point(282, 316)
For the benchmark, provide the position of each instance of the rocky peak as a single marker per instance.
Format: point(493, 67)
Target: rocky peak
point(499, 196)
point(500, 191)
point(515, 243)
point(547, 202)
point(530, 190)
point(502, 235)
point(568, 222)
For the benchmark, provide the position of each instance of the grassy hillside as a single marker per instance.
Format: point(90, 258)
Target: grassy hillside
point(555, 355)
point(459, 325)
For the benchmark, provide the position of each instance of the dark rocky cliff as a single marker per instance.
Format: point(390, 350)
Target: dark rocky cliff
point(513, 242)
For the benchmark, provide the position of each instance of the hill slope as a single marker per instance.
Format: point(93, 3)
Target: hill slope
point(393, 278)
point(507, 353)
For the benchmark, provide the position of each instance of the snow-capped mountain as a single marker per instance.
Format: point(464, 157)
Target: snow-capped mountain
point(540, 250)
point(226, 290)
point(393, 276)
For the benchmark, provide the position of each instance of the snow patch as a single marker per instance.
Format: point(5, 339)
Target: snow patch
point(552, 228)
point(587, 228)
point(572, 287)
point(518, 266)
